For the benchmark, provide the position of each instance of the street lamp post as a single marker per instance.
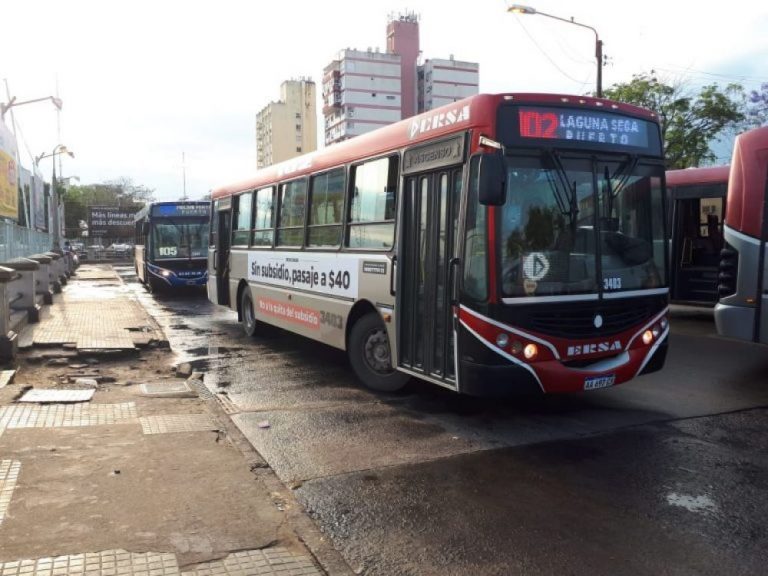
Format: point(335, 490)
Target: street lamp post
point(55, 232)
point(520, 9)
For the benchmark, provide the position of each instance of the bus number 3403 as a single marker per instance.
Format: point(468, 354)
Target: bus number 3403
point(611, 283)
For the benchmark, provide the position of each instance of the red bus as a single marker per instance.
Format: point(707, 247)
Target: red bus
point(696, 201)
point(742, 311)
point(504, 243)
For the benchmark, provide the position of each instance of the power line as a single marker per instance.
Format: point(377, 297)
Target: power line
point(551, 61)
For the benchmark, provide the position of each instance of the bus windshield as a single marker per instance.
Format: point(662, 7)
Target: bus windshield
point(179, 238)
point(561, 213)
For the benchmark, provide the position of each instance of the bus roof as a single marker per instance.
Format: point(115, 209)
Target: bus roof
point(473, 112)
point(748, 182)
point(691, 176)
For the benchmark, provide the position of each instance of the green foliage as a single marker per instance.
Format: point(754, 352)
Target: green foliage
point(123, 193)
point(690, 121)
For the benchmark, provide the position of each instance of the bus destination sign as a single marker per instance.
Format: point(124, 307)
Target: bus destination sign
point(580, 125)
point(181, 209)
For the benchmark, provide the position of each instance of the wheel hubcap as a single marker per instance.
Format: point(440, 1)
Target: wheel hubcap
point(377, 354)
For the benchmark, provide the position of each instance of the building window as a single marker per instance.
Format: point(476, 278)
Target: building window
point(290, 228)
point(243, 214)
point(326, 208)
point(372, 210)
point(298, 148)
point(264, 221)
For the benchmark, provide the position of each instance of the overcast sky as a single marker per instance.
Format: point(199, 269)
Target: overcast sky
point(145, 81)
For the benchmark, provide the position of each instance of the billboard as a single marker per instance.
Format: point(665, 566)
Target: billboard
point(110, 221)
point(9, 175)
point(39, 204)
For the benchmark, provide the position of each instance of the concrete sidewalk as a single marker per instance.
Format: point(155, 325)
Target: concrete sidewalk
point(149, 477)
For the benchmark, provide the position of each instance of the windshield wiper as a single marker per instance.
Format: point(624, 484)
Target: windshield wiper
point(569, 205)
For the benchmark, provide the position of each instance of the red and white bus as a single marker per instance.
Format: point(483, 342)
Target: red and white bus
point(742, 311)
point(505, 243)
point(696, 203)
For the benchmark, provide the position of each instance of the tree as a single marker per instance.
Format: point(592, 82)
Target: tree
point(757, 108)
point(690, 122)
point(123, 193)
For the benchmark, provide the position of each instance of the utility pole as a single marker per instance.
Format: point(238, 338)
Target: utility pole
point(184, 175)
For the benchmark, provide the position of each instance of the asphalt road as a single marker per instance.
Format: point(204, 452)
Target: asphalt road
point(664, 475)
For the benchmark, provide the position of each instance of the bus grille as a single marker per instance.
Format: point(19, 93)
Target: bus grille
point(580, 323)
point(729, 265)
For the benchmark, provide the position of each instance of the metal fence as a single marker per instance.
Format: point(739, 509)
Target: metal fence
point(18, 242)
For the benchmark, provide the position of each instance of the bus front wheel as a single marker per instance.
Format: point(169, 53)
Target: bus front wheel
point(246, 312)
point(370, 355)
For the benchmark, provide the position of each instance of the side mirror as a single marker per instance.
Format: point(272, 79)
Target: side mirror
point(492, 179)
point(144, 228)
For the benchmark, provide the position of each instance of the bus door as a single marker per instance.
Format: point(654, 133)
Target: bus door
point(426, 265)
point(696, 244)
point(218, 254)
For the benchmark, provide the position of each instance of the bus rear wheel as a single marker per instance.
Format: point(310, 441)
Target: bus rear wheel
point(371, 357)
point(247, 314)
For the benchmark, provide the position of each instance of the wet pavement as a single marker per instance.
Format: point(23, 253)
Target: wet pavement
point(663, 475)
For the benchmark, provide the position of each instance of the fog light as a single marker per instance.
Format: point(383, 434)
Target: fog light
point(502, 340)
point(531, 351)
point(647, 337)
point(517, 347)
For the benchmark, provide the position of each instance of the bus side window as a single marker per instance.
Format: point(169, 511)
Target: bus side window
point(326, 209)
point(243, 217)
point(475, 243)
point(293, 199)
point(372, 209)
point(264, 221)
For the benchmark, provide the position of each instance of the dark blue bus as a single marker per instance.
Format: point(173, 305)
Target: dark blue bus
point(172, 244)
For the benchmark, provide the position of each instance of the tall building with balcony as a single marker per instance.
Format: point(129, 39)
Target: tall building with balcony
point(287, 128)
point(361, 92)
point(446, 81)
point(364, 90)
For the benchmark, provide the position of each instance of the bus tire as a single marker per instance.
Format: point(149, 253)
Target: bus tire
point(247, 315)
point(370, 356)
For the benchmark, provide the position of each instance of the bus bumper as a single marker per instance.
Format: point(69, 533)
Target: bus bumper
point(509, 380)
point(735, 321)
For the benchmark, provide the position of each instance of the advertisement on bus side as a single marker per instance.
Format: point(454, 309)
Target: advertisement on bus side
point(331, 274)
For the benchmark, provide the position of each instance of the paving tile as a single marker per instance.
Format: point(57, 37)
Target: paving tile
point(116, 323)
point(167, 423)
point(92, 564)
point(66, 415)
point(9, 474)
point(267, 562)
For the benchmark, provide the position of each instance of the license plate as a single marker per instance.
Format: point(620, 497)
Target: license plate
point(595, 382)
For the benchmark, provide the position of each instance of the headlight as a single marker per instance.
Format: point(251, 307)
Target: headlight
point(530, 351)
point(647, 337)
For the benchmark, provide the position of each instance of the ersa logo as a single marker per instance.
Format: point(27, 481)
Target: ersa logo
point(594, 348)
point(429, 122)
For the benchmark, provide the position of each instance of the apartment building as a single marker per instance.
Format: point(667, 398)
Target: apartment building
point(446, 81)
point(287, 128)
point(361, 92)
point(364, 90)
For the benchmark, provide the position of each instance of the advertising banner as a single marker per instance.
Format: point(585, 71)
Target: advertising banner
point(110, 222)
point(332, 274)
point(9, 175)
point(39, 206)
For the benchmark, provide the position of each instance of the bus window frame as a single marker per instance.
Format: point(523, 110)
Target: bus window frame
point(254, 230)
point(278, 219)
point(345, 170)
point(395, 180)
point(236, 218)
